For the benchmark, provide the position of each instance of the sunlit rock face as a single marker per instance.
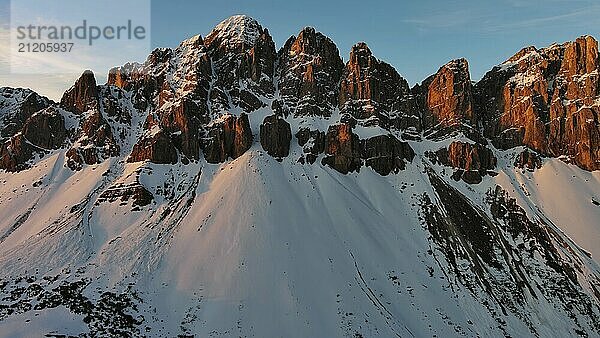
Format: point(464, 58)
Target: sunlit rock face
point(373, 93)
point(547, 99)
point(446, 101)
point(309, 70)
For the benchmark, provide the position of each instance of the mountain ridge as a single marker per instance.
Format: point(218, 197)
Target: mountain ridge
point(221, 188)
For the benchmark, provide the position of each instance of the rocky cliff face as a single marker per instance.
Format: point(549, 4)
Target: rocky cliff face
point(528, 160)
point(309, 71)
point(16, 106)
point(275, 136)
point(227, 138)
point(243, 56)
point(345, 152)
point(83, 96)
point(342, 148)
point(42, 132)
point(546, 99)
point(312, 143)
point(95, 141)
point(386, 154)
point(156, 148)
point(446, 100)
point(575, 108)
point(373, 93)
point(472, 160)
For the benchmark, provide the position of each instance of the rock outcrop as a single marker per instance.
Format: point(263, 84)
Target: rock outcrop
point(386, 154)
point(446, 100)
point(575, 108)
point(546, 99)
point(42, 132)
point(312, 143)
point(309, 70)
point(156, 148)
point(230, 137)
point(134, 192)
point(96, 143)
point(16, 106)
point(83, 96)
point(472, 161)
point(342, 149)
point(372, 92)
point(243, 55)
point(345, 152)
point(179, 102)
point(529, 160)
point(275, 136)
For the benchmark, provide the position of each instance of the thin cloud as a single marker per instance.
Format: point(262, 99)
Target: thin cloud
point(442, 20)
point(584, 16)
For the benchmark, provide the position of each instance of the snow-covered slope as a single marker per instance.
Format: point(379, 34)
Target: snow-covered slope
point(255, 247)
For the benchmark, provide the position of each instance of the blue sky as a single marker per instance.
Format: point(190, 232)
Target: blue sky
point(416, 37)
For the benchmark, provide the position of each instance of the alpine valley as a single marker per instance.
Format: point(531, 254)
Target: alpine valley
point(225, 188)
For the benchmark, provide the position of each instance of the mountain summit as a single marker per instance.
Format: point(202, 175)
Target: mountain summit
point(236, 30)
point(227, 188)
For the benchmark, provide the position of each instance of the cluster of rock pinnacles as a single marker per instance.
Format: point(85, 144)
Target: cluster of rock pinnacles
point(547, 100)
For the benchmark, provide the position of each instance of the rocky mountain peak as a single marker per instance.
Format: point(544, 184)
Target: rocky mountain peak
point(373, 93)
point(546, 99)
point(447, 99)
point(83, 95)
point(580, 56)
point(236, 31)
point(309, 71)
point(526, 51)
point(360, 54)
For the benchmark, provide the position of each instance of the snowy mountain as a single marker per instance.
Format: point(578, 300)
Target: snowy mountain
point(224, 188)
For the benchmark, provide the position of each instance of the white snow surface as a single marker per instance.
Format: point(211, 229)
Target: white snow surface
point(266, 248)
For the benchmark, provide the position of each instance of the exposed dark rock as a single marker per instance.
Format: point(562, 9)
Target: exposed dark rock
point(156, 148)
point(112, 108)
point(547, 100)
point(279, 108)
point(16, 106)
point(528, 160)
point(309, 71)
point(342, 147)
point(14, 153)
point(139, 195)
point(373, 91)
point(96, 143)
point(242, 136)
point(229, 137)
point(312, 143)
point(472, 160)
point(43, 131)
point(275, 136)
point(243, 55)
point(83, 96)
point(386, 154)
point(183, 121)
